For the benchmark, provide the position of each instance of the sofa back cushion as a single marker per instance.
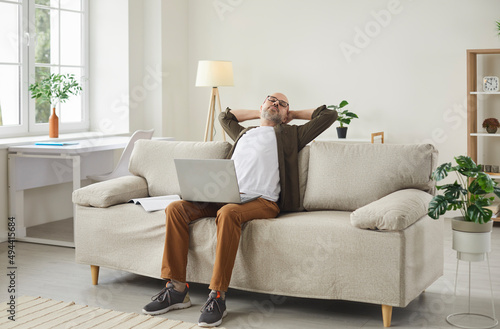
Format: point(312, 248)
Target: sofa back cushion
point(346, 176)
point(154, 160)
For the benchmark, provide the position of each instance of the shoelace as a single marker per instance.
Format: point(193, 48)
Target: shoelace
point(209, 305)
point(165, 292)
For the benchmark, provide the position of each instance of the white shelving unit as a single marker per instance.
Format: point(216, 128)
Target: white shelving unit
point(475, 104)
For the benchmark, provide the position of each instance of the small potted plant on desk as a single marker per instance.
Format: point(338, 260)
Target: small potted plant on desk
point(344, 118)
point(472, 230)
point(491, 125)
point(55, 88)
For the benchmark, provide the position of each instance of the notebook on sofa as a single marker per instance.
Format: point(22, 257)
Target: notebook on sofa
point(209, 180)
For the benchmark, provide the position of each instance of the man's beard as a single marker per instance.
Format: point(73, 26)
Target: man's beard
point(273, 117)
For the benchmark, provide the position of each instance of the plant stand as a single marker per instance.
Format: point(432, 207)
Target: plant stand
point(472, 247)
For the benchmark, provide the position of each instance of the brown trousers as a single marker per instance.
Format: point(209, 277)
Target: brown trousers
point(228, 217)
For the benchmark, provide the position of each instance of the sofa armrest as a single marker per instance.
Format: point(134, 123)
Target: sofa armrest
point(394, 212)
point(111, 192)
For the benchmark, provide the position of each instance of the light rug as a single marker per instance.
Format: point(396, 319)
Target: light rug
point(41, 313)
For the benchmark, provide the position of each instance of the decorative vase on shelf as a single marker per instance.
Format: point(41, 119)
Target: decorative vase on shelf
point(491, 125)
point(491, 129)
point(53, 124)
point(341, 132)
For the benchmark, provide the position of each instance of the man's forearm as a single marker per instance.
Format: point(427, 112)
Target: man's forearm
point(244, 115)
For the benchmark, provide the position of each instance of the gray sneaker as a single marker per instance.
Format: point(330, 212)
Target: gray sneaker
point(168, 299)
point(213, 311)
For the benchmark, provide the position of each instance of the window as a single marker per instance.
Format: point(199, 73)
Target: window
point(36, 37)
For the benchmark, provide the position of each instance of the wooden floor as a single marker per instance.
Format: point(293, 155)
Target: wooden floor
point(51, 272)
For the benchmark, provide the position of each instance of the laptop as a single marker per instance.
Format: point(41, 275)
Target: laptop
point(209, 180)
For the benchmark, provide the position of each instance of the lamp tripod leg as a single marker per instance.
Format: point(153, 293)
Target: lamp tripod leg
point(209, 129)
point(220, 110)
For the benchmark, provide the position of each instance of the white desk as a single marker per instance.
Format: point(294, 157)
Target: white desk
point(32, 166)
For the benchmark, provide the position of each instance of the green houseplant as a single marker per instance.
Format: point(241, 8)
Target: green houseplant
point(344, 118)
point(55, 88)
point(471, 233)
point(468, 194)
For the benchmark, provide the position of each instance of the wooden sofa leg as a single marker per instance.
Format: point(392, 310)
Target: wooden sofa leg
point(94, 271)
point(386, 315)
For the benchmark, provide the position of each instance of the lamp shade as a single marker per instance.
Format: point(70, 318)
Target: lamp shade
point(214, 74)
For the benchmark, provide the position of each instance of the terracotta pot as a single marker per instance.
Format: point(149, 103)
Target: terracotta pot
point(491, 129)
point(53, 124)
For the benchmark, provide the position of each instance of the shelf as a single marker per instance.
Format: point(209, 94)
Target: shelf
point(485, 92)
point(485, 135)
point(493, 175)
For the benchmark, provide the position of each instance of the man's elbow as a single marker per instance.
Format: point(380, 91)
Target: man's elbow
point(334, 115)
point(330, 116)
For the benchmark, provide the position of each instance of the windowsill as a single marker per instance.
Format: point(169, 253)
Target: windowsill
point(7, 142)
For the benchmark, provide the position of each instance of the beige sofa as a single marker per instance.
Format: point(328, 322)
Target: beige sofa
point(363, 234)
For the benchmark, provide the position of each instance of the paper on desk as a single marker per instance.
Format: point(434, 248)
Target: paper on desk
point(155, 203)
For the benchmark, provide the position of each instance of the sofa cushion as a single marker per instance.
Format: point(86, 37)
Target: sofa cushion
point(348, 176)
point(111, 192)
point(394, 212)
point(154, 160)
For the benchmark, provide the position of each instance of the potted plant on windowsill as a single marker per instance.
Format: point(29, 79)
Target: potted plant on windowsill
point(471, 231)
point(344, 118)
point(55, 88)
point(491, 125)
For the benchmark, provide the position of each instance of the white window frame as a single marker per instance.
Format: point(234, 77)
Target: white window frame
point(26, 38)
point(22, 128)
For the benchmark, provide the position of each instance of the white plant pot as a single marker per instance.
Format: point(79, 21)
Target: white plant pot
point(471, 240)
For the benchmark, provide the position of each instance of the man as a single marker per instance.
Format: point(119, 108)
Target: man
point(266, 163)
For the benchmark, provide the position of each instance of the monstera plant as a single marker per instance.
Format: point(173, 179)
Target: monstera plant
point(469, 193)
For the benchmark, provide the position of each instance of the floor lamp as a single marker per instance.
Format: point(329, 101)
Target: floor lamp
point(214, 74)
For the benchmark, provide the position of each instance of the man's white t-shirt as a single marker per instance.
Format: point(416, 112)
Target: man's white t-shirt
point(256, 163)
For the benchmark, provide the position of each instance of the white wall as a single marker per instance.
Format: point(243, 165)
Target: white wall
point(108, 61)
point(175, 63)
point(403, 67)
point(158, 66)
point(405, 73)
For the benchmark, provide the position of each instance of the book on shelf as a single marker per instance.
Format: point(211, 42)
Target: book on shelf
point(156, 202)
